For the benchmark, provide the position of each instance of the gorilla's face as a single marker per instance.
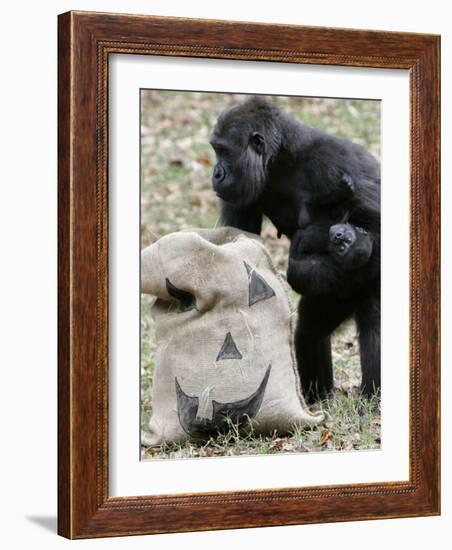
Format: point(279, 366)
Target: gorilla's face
point(239, 173)
point(243, 151)
point(350, 243)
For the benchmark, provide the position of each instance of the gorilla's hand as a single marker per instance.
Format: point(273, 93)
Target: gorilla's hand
point(339, 187)
point(347, 185)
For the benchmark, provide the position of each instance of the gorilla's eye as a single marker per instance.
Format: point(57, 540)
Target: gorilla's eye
point(221, 151)
point(257, 141)
point(220, 146)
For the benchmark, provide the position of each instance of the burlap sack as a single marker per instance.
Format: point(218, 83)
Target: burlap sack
point(224, 337)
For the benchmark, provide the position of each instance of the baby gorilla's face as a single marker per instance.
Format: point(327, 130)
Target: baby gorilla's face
point(342, 237)
point(352, 245)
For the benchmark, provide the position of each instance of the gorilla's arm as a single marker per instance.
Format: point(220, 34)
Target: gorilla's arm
point(312, 239)
point(312, 270)
point(333, 169)
point(247, 218)
point(328, 184)
point(314, 274)
point(366, 207)
point(323, 274)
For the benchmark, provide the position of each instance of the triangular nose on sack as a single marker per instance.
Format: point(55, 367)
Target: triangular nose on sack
point(229, 349)
point(259, 289)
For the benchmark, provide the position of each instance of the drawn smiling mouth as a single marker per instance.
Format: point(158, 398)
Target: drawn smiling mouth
point(237, 412)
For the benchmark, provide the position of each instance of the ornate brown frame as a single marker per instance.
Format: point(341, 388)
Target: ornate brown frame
point(84, 44)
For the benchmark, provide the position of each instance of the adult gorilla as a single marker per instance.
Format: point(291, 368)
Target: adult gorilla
point(268, 163)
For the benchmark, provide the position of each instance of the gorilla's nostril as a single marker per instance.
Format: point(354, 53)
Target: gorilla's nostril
point(337, 233)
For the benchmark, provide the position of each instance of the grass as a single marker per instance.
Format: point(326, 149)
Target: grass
point(354, 424)
point(176, 167)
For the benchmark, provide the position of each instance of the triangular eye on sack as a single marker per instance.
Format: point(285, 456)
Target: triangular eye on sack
point(228, 349)
point(259, 289)
point(187, 299)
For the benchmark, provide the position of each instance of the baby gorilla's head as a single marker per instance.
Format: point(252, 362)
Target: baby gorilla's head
point(350, 244)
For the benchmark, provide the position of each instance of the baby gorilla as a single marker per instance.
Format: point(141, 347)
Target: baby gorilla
point(333, 260)
point(337, 271)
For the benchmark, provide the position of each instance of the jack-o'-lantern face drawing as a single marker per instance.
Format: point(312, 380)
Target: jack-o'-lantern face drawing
point(238, 412)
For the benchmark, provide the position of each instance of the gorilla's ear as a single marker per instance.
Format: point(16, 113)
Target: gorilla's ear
point(257, 142)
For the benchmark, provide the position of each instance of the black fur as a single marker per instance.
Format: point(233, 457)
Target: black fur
point(339, 260)
point(270, 164)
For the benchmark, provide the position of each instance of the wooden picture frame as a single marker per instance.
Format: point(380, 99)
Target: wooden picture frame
point(85, 42)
